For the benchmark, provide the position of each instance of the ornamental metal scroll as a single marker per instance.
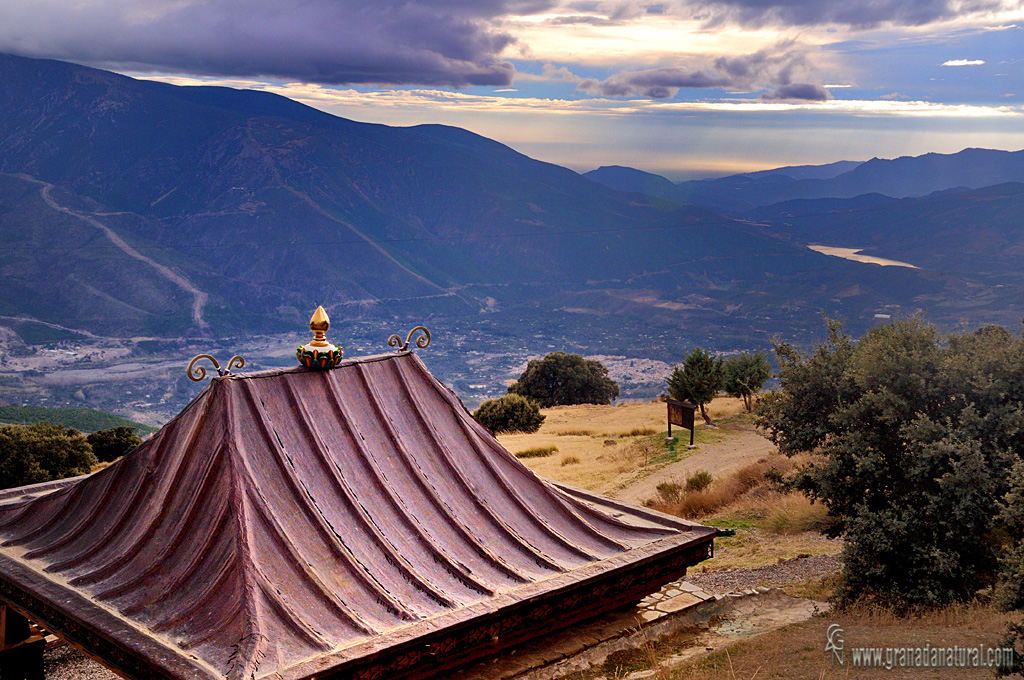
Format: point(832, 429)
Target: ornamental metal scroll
point(198, 373)
point(421, 342)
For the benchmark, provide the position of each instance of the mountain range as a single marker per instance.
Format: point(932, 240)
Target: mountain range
point(898, 178)
point(137, 207)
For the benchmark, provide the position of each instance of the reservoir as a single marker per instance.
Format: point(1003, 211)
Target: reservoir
point(853, 254)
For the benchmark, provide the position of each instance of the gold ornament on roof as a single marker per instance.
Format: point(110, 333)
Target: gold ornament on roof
point(320, 323)
point(421, 342)
point(318, 353)
point(197, 373)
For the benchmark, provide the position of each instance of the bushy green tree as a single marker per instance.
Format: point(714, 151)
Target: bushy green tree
point(744, 376)
point(697, 380)
point(914, 436)
point(561, 379)
point(509, 413)
point(109, 445)
point(42, 452)
point(1010, 587)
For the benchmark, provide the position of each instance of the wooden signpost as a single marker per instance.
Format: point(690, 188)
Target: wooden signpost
point(680, 413)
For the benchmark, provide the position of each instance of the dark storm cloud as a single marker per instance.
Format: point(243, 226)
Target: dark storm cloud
point(802, 91)
point(776, 67)
point(428, 42)
point(844, 12)
point(655, 83)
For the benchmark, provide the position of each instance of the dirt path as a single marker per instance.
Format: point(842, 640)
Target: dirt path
point(199, 297)
point(741, 446)
point(53, 325)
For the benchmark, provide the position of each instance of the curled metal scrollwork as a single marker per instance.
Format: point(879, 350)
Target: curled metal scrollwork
point(421, 342)
point(198, 373)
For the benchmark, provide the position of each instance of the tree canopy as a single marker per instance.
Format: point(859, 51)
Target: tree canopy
point(697, 380)
point(916, 437)
point(42, 452)
point(744, 376)
point(109, 445)
point(561, 379)
point(509, 413)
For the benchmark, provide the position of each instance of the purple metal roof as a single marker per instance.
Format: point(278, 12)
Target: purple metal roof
point(288, 522)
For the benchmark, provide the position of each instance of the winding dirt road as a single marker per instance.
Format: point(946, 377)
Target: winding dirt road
point(199, 298)
point(744, 445)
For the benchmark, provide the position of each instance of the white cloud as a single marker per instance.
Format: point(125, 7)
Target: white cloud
point(964, 62)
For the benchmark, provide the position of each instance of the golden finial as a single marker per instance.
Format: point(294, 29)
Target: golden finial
point(421, 342)
point(319, 324)
point(318, 353)
point(198, 373)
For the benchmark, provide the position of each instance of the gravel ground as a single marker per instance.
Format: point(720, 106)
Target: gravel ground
point(790, 571)
point(67, 663)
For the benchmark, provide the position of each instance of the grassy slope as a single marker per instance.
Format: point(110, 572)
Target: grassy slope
point(637, 430)
point(82, 419)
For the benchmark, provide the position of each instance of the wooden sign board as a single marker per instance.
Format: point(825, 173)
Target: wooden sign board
point(680, 413)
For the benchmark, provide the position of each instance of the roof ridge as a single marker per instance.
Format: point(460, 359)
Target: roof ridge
point(285, 370)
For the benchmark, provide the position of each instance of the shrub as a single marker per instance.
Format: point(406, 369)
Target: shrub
point(570, 460)
point(537, 452)
point(510, 413)
point(697, 380)
point(109, 445)
point(670, 492)
point(722, 492)
point(561, 379)
point(794, 514)
point(42, 452)
point(1010, 586)
point(698, 481)
point(914, 436)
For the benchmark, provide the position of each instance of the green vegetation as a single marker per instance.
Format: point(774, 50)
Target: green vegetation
point(109, 445)
point(82, 419)
point(561, 379)
point(669, 492)
point(509, 413)
point(744, 376)
point(916, 447)
point(713, 494)
point(537, 452)
point(42, 452)
point(697, 380)
point(698, 481)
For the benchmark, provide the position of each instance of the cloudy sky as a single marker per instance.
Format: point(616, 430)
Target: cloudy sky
point(686, 88)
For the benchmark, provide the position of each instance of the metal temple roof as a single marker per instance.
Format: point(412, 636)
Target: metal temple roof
point(287, 523)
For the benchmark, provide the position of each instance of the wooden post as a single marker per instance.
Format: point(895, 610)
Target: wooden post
point(21, 654)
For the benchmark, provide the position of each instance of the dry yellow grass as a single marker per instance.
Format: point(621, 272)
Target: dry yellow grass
point(604, 438)
point(724, 491)
point(770, 526)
